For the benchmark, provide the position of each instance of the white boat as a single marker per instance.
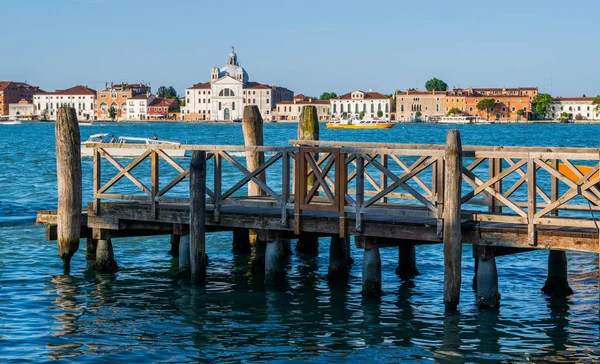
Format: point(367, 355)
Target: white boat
point(455, 120)
point(87, 147)
point(10, 122)
point(356, 123)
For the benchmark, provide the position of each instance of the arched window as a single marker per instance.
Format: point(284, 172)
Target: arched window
point(334, 108)
point(387, 107)
point(356, 108)
point(372, 108)
point(233, 106)
point(525, 108)
point(124, 107)
point(437, 108)
point(113, 105)
point(103, 106)
point(364, 108)
point(378, 107)
point(219, 105)
point(341, 108)
point(226, 92)
point(402, 108)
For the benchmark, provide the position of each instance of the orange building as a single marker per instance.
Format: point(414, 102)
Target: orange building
point(115, 96)
point(508, 102)
point(13, 92)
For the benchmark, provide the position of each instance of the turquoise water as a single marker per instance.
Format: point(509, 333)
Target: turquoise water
point(145, 313)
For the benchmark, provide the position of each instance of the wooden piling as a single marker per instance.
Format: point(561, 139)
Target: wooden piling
point(371, 268)
point(105, 257)
point(452, 234)
point(308, 129)
point(198, 261)
point(338, 260)
point(174, 242)
point(241, 241)
point(90, 250)
point(184, 255)
point(557, 283)
point(252, 128)
point(274, 261)
point(407, 261)
point(487, 278)
point(68, 172)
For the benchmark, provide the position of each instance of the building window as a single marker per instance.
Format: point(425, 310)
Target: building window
point(226, 92)
point(356, 108)
point(372, 108)
point(387, 107)
point(219, 105)
point(334, 108)
point(233, 106)
point(402, 108)
point(515, 109)
point(471, 109)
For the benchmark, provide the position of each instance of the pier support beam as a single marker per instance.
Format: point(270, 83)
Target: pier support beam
point(198, 260)
point(407, 261)
point(90, 250)
point(371, 269)
point(174, 241)
point(338, 260)
point(259, 249)
point(105, 256)
point(452, 234)
point(557, 283)
point(308, 129)
point(68, 172)
point(274, 261)
point(241, 242)
point(184, 255)
point(487, 278)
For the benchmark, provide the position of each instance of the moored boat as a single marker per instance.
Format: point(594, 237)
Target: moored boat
point(356, 123)
point(10, 122)
point(455, 120)
point(87, 147)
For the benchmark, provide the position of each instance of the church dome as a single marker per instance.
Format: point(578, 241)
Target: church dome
point(233, 68)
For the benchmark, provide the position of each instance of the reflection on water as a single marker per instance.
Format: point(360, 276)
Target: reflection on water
point(144, 313)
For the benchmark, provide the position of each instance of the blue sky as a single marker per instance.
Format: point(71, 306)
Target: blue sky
point(308, 46)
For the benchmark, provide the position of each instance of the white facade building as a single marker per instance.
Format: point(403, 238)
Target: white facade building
point(137, 107)
point(81, 98)
point(355, 102)
point(229, 90)
point(578, 108)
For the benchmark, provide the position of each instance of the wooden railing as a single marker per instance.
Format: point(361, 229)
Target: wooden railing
point(500, 184)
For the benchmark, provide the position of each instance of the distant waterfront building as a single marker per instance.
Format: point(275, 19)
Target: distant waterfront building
point(428, 103)
point(116, 96)
point(13, 92)
point(228, 91)
point(22, 110)
point(82, 98)
point(508, 101)
point(160, 108)
point(355, 102)
point(137, 106)
point(291, 110)
point(574, 106)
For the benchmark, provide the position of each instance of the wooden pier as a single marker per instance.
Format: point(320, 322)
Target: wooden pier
point(501, 200)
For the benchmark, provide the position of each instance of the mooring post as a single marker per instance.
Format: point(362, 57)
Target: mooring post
point(339, 266)
point(407, 261)
point(68, 172)
point(452, 234)
point(557, 283)
point(371, 268)
point(198, 261)
point(184, 255)
point(252, 127)
point(105, 256)
point(174, 242)
point(487, 278)
point(308, 129)
point(241, 241)
point(90, 250)
point(274, 258)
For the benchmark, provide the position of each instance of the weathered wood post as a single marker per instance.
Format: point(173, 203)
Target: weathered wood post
point(90, 250)
point(198, 260)
point(371, 268)
point(105, 256)
point(452, 234)
point(174, 242)
point(274, 258)
point(241, 241)
point(308, 129)
point(407, 261)
point(184, 255)
point(487, 278)
point(68, 172)
point(339, 266)
point(252, 127)
point(557, 283)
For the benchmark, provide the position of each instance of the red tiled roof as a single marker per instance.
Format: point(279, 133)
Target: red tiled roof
point(417, 92)
point(256, 85)
point(302, 102)
point(76, 90)
point(140, 97)
point(368, 95)
point(299, 96)
point(583, 98)
point(129, 85)
point(162, 101)
point(4, 85)
point(200, 86)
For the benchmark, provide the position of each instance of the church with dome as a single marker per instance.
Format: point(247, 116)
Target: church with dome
point(228, 91)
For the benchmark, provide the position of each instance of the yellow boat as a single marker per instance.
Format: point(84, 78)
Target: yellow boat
point(355, 123)
point(567, 172)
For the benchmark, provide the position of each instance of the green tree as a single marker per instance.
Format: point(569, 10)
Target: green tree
point(564, 115)
point(112, 113)
point(435, 84)
point(379, 113)
point(454, 111)
point(327, 95)
point(168, 92)
point(344, 114)
point(486, 105)
point(361, 115)
point(596, 102)
point(418, 114)
point(541, 104)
